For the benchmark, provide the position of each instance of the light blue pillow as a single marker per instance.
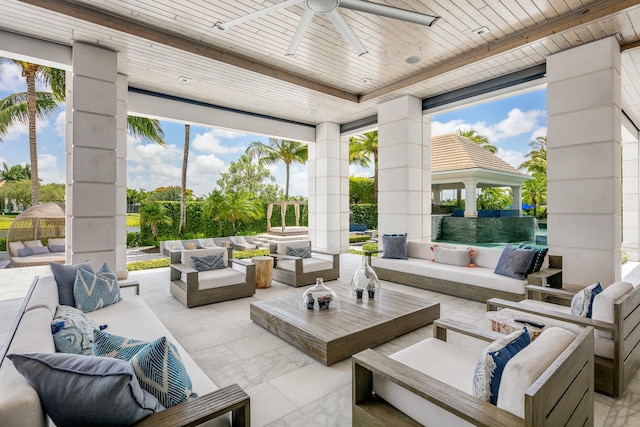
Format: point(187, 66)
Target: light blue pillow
point(494, 358)
point(109, 345)
point(25, 252)
point(87, 391)
point(304, 252)
point(93, 291)
point(394, 246)
point(209, 262)
point(57, 248)
point(40, 250)
point(582, 301)
point(514, 262)
point(160, 371)
point(65, 276)
point(72, 330)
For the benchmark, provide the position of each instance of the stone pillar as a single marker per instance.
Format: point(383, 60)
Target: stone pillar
point(121, 177)
point(630, 191)
point(470, 199)
point(404, 168)
point(329, 190)
point(584, 161)
point(516, 195)
point(91, 156)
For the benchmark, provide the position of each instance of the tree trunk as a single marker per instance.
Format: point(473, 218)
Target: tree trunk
point(286, 188)
point(375, 177)
point(183, 192)
point(30, 73)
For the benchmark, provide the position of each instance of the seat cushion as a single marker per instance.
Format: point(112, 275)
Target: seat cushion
point(219, 278)
point(603, 304)
point(308, 264)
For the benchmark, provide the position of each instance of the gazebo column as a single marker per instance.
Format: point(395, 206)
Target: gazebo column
point(470, 199)
point(92, 161)
point(584, 161)
point(329, 190)
point(516, 195)
point(404, 169)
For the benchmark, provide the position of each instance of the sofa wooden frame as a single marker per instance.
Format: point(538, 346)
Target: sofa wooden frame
point(298, 277)
point(562, 395)
point(611, 375)
point(195, 412)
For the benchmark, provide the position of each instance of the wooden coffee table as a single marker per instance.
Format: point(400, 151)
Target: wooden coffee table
point(333, 335)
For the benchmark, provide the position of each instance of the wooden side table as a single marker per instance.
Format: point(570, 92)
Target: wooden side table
point(503, 321)
point(264, 271)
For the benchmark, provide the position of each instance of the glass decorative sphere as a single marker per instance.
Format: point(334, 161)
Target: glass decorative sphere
point(365, 285)
point(320, 297)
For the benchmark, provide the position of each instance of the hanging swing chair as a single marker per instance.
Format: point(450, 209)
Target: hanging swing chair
point(36, 236)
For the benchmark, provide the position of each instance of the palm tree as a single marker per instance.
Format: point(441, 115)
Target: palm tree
point(537, 158)
point(26, 107)
point(183, 189)
point(279, 150)
point(233, 207)
point(15, 173)
point(534, 192)
point(481, 140)
point(362, 148)
point(155, 214)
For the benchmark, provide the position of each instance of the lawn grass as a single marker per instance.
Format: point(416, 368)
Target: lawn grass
point(146, 265)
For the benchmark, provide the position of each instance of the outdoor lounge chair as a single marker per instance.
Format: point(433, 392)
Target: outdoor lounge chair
point(616, 320)
point(240, 243)
point(192, 287)
point(295, 270)
point(548, 383)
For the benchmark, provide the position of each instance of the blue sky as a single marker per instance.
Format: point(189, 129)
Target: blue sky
point(509, 123)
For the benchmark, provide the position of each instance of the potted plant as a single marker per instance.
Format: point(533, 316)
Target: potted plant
point(371, 288)
point(323, 302)
point(310, 301)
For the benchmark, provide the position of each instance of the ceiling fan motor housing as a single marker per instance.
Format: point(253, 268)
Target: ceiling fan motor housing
point(322, 6)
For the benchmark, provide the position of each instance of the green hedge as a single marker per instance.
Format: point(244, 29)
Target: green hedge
point(365, 214)
point(3, 244)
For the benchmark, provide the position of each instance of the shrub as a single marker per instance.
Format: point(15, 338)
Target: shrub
point(371, 247)
point(3, 244)
point(249, 254)
point(361, 190)
point(146, 265)
point(365, 214)
point(358, 239)
point(133, 240)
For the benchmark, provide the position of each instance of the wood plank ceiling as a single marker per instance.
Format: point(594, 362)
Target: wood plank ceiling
point(246, 68)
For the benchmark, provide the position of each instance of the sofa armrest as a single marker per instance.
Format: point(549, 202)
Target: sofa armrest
point(544, 291)
point(441, 326)
point(130, 284)
point(228, 399)
point(496, 303)
point(183, 268)
point(375, 411)
point(242, 262)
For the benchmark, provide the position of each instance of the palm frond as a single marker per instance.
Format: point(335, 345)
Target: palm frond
point(145, 128)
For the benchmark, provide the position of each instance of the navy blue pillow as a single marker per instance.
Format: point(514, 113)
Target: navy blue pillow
point(501, 357)
point(514, 262)
point(65, 276)
point(537, 260)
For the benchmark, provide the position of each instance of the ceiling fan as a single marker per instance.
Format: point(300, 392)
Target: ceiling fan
point(330, 9)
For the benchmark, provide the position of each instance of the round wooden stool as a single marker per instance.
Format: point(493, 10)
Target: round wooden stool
point(264, 271)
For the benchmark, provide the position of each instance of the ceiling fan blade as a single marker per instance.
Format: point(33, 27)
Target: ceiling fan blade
point(226, 25)
point(389, 12)
point(346, 32)
point(302, 28)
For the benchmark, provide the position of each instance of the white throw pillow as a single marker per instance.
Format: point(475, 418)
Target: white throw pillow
point(173, 245)
point(33, 244)
point(582, 301)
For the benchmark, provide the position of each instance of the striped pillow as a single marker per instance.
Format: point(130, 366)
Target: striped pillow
point(109, 345)
point(93, 291)
point(209, 262)
point(304, 252)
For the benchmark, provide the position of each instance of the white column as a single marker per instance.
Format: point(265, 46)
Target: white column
point(329, 190)
point(584, 161)
point(121, 178)
point(630, 191)
point(470, 199)
point(91, 157)
point(516, 195)
point(404, 168)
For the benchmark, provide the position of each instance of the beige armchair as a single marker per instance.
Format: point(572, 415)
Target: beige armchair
point(549, 383)
point(300, 271)
point(616, 320)
point(192, 287)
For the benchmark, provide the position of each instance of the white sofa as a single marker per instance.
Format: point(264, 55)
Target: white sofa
point(131, 317)
point(478, 284)
point(36, 259)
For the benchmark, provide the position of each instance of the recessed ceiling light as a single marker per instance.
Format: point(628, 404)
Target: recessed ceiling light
point(413, 59)
point(365, 80)
point(184, 79)
point(480, 31)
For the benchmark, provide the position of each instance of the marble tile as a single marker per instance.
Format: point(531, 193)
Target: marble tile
point(250, 346)
point(268, 405)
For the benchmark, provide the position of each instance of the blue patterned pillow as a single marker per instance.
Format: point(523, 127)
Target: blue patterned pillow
point(109, 345)
point(582, 301)
point(209, 262)
point(78, 390)
point(72, 330)
point(304, 252)
point(160, 371)
point(514, 262)
point(494, 358)
point(93, 291)
point(537, 260)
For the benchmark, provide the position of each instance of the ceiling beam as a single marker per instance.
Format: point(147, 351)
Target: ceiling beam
point(175, 40)
point(574, 19)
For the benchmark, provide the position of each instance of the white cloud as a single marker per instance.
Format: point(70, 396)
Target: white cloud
point(49, 170)
point(211, 142)
point(299, 181)
point(359, 171)
point(11, 79)
point(60, 124)
point(541, 131)
point(20, 129)
point(514, 158)
point(202, 173)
